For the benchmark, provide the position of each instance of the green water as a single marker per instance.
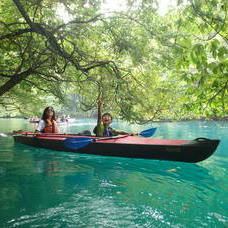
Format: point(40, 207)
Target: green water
point(44, 188)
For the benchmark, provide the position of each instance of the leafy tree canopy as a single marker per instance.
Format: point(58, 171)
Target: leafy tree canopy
point(145, 66)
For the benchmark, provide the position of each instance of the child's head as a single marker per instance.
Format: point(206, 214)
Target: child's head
point(48, 113)
point(107, 118)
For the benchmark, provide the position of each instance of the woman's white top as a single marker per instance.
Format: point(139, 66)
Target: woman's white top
point(41, 125)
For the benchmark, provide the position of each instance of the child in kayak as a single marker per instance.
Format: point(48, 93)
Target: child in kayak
point(48, 123)
point(103, 128)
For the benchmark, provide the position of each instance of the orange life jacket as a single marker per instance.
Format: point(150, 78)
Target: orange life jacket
point(50, 127)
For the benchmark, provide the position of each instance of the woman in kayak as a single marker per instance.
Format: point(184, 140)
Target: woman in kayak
point(103, 125)
point(48, 123)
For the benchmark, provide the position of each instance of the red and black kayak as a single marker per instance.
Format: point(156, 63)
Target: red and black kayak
point(125, 146)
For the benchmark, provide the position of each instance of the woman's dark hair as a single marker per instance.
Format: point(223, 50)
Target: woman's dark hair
point(107, 114)
point(45, 115)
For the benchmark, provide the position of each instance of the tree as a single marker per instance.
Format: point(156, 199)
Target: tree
point(202, 61)
point(144, 65)
point(38, 48)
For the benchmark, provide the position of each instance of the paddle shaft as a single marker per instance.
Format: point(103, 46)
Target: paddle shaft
point(112, 137)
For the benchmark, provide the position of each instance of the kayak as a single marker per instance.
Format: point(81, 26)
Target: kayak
point(34, 121)
point(124, 146)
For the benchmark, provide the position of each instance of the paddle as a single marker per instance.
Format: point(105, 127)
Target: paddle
point(148, 133)
point(76, 143)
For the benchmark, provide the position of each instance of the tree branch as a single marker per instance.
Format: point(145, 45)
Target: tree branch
point(14, 80)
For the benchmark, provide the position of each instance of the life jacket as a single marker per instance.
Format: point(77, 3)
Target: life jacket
point(108, 132)
point(50, 127)
point(105, 132)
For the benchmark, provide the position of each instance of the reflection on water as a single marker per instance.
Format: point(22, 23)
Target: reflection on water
point(47, 188)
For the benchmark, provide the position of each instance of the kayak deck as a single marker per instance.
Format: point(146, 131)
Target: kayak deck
point(125, 140)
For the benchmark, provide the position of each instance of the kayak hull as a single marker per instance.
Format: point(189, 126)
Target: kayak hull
point(131, 147)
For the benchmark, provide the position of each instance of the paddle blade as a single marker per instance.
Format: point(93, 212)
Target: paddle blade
point(148, 133)
point(76, 143)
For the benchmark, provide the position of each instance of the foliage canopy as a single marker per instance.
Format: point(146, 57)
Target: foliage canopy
point(145, 66)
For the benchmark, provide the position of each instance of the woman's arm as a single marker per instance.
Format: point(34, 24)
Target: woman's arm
point(124, 133)
point(99, 129)
point(40, 126)
point(99, 114)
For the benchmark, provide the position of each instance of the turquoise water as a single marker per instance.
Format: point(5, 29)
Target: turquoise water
point(44, 188)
